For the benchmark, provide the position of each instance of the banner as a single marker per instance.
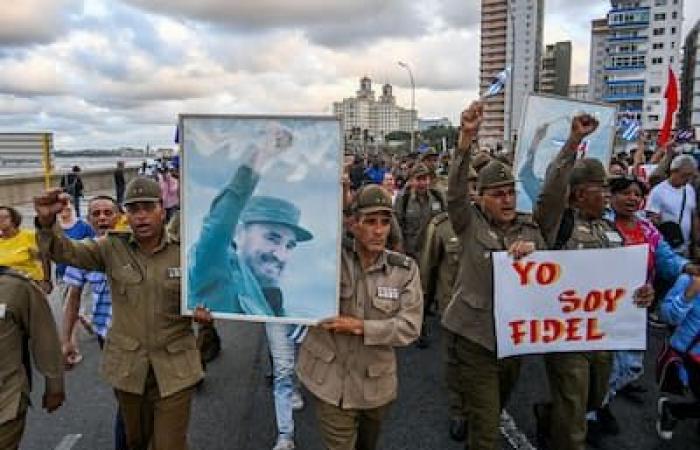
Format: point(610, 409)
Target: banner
point(544, 129)
point(566, 301)
point(261, 216)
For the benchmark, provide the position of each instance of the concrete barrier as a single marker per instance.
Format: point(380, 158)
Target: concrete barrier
point(21, 189)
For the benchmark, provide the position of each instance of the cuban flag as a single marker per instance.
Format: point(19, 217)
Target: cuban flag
point(685, 135)
point(498, 83)
point(629, 129)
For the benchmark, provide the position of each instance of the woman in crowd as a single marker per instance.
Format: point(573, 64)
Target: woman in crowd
point(19, 251)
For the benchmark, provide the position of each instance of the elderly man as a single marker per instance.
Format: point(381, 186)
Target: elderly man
point(672, 204)
point(490, 225)
point(348, 363)
point(26, 327)
point(570, 212)
point(150, 355)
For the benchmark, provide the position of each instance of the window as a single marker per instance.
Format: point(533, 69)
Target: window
point(674, 15)
point(660, 16)
point(660, 3)
point(653, 117)
point(655, 89)
point(657, 60)
point(673, 30)
point(673, 44)
point(657, 45)
point(659, 31)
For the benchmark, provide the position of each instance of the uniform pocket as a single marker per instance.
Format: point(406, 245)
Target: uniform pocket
point(317, 366)
point(387, 306)
point(125, 276)
point(183, 356)
point(381, 381)
point(119, 354)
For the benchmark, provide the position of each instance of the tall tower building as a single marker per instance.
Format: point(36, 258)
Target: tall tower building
point(524, 55)
point(494, 26)
point(644, 40)
point(555, 72)
point(511, 35)
point(689, 113)
point(599, 54)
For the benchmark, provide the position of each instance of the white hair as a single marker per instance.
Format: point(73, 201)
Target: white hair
point(684, 162)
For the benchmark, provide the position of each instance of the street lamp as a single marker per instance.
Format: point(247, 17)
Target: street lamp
point(413, 105)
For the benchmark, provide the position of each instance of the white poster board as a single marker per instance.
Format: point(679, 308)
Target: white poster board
point(565, 301)
point(544, 129)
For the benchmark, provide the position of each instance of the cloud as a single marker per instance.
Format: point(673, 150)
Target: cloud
point(34, 21)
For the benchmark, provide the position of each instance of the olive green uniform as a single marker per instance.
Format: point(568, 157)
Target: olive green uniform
point(579, 380)
point(150, 356)
point(354, 377)
point(25, 320)
point(487, 380)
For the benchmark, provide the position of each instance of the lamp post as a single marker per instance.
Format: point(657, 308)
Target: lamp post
point(413, 105)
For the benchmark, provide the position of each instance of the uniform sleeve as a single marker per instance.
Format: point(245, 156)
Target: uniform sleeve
point(85, 254)
point(459, 208)
point(552, 200)
point(404, 327)
point(44, 342)
point(429, 260)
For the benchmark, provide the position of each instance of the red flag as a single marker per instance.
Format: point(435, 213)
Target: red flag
point(671, 96)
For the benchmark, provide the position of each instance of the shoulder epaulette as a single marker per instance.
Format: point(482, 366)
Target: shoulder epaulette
point(118, 234)
point(4, 270)
point(398, 259)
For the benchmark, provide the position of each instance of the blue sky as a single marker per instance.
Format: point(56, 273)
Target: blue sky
point(105, 73)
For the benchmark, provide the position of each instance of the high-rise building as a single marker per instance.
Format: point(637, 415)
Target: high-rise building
point(644, 40)
point(555, 72)
point(689, 113)
point(599, 52)
point(579, 92)
point(511, 36)
point(365, 115)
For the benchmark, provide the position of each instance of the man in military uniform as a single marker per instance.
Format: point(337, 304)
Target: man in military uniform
point(490, 226)
point(415, 207)
point(348, 362)
point(578, 380)
point(150, 356)
point(438, 265)
point(26, 327)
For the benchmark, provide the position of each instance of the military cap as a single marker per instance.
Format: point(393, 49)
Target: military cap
point(480, 160)
point(588, 170)
point(372, 198)
point(495, 174)
point(263, 209)
point(420, 169)
point(142, 189)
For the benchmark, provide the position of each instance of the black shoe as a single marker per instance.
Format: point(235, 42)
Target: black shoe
point(607, 421)
point(665, 422)
point(594, 433)
point(458, 429)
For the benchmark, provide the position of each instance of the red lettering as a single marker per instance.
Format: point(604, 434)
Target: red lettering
point(572, 329)
point(535, 331)
point(593, 332)
point(548, 273)
point(518, 334)
point(593, 301)
point(612, 299)
point(571, 300)
point(523, 269)
point(553, 330)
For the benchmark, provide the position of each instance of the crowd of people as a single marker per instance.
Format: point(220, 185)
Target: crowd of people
point(418, 237)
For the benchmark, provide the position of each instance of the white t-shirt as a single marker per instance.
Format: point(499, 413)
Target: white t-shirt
point(666, 201)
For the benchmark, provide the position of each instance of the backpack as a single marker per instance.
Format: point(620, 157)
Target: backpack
point(671, 371)
point(403, 200)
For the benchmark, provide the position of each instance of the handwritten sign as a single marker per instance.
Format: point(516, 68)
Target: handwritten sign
point(561, 301)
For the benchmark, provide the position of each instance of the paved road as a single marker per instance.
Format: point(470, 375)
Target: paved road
point(234, 408)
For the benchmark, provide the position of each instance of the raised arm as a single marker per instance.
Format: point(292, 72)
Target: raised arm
point(553, 200)
point(459, 207)
point(54, 244)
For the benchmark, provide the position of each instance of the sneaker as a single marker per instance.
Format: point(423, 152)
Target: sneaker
point(284, 443)
point(665, 421)
point(608, 422)
point(297, 400)
point(458, 429)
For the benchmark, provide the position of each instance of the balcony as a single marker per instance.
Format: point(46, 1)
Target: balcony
point(627, 68)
